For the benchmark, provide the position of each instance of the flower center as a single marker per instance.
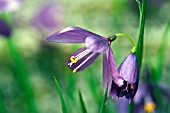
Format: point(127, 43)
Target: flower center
point(96, 44)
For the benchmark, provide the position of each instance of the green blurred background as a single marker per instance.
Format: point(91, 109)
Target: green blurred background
point(31, 25)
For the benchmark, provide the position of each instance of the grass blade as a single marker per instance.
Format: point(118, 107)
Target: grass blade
point(139, 50)
point(104, 100)
point(84, 110)
point(61, 95)
point(161, 53)
point(20, 73)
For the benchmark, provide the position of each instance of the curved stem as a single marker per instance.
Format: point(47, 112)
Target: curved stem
point(127, 36)
point(130, 39)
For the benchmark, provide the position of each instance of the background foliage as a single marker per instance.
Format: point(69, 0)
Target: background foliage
point(41, 58)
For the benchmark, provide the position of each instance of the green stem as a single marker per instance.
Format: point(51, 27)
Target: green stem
point(131, 106)
point(130, 39)
point(22, 77)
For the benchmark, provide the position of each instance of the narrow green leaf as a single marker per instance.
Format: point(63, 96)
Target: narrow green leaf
point(61, 95)
point(22, 77)
point(139, 50)
point(104, 100)
point(139, 6)
point(161, 53)
point(84, 110)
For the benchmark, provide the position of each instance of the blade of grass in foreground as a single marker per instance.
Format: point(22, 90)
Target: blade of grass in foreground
point(20, 73)
point(104, 100)
point(61, 95)
point(161, 53)
point(84, 110)
point(139, 49)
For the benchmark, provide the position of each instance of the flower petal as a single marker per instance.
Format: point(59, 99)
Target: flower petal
point(128, 69)
point(71, 35)
point(107, 79)
point(96, 43)
point(114, 71)
point(81, 59)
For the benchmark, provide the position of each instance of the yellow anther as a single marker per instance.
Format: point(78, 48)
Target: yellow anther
point(74, 70)
point(149, 107)
point(73, 59)
point(131, 86)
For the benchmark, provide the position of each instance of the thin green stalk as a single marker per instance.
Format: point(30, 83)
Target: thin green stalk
point(127, 36)
point(139, 49)
point(130, 39)
point(84, 110)
point(102, 109)
point(131, 107)
point(22, 77)
point(61, 95)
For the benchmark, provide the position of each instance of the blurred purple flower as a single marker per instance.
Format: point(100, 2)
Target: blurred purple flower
point(47, 17)
point(82, 58)
point(147, 100)
point(125, 83)
point(5, 29)
point(9, 5)
point(143, 100)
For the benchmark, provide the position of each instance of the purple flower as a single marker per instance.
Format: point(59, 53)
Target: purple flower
point(94, 45)
point(48, 17)
point(147, 98)
point(5, 29)
point(125, 80)
point(9, 5)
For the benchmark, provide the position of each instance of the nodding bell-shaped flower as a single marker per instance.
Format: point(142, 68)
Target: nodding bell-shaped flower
point(125, 80)
point(82, 58)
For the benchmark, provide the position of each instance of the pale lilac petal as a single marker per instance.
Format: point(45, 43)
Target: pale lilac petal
point(82, 63)
point(141, 93)
point(107, 78)
point(128, 69)
point(122, 105)
point(114, 71)
point(97, 44)
point(71, 35)
point(9, 5)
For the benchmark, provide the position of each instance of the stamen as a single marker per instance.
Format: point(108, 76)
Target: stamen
point(82, 54)
point(74, 59)
point(74, 70)
point(131, 86)
point(84, 61)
